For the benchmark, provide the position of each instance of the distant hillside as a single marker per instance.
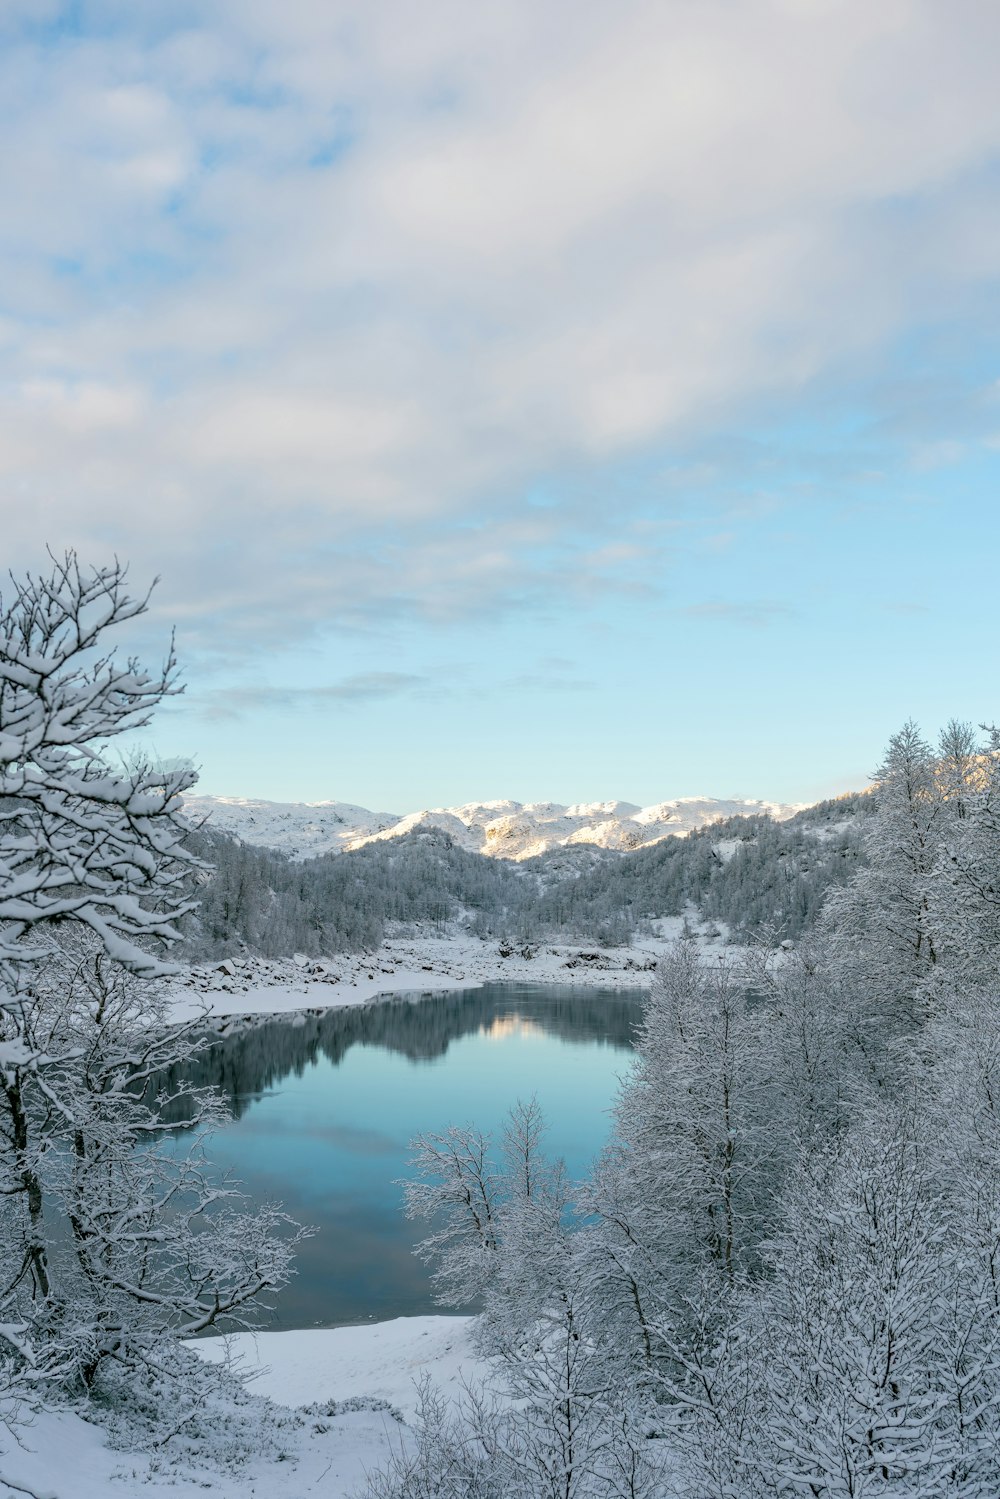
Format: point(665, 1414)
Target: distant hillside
point(501, 829)
point(746, 873)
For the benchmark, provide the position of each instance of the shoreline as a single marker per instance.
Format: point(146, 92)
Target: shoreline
point(242, 989)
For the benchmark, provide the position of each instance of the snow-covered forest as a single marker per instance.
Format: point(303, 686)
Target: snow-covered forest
point(781, 1277)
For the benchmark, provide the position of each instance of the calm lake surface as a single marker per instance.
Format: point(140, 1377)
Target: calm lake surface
point(325, 1106)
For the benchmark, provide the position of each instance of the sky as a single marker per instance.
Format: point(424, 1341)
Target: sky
point(560, 401)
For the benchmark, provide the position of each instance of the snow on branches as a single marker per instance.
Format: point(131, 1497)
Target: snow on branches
point(81, 839)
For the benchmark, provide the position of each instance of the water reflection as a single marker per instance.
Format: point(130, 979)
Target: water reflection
point(503, 1026)
point(262, 1053)
point(325, 1103)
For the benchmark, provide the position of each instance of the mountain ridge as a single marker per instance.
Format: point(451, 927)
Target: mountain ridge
point(502, 829)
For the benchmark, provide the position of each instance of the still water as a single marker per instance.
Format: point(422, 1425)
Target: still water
point(325, 1106)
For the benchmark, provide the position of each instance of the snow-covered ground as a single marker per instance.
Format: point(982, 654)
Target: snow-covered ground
point(413, 966)
point(298, 1454)
point(375, 1360)
point(501, 829)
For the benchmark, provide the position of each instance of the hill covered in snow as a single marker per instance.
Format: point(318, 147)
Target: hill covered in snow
point(500, 829)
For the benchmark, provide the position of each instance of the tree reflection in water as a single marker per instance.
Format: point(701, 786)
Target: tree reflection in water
point(324, 1104)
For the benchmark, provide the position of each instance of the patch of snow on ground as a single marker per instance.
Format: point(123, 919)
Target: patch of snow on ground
point(726, 847)
point(63, 1456)
point(825, 831)
point(379, 1360)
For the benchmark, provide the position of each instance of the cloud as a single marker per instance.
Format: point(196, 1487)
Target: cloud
point(456, 680)
point(362, 687)
point(294, 295)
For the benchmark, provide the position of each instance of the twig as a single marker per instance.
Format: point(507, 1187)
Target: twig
point(20, 1488)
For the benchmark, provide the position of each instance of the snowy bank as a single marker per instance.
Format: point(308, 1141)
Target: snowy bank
point(372, 1367)
point(377, 1360)
point(423, 965)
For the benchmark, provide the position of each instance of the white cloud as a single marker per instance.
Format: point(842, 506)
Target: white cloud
point(543, 236)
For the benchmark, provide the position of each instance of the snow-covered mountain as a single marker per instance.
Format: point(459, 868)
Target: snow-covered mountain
point(502, 829)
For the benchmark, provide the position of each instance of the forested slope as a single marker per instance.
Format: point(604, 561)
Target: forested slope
point(748, 872)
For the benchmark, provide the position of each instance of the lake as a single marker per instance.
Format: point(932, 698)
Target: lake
point(325, 1105)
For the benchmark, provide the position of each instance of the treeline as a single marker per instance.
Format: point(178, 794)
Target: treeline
point(749, 872)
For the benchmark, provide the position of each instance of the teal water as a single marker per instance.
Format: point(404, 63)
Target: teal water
point(325, 1106)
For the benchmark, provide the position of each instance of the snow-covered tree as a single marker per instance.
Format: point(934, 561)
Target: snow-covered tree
point(111, 1244)
point(81, 839)
point(499, 1214)
point(965, 890)
point(882, 922)
point(560, 1423)
point(689, 1174)
point(554, 1429)
point(818, 1041)
point(865, 1363)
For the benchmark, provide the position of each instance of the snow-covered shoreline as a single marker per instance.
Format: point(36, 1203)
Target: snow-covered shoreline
point(411, 967)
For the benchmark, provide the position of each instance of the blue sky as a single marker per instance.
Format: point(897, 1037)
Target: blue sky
point(558, 402)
